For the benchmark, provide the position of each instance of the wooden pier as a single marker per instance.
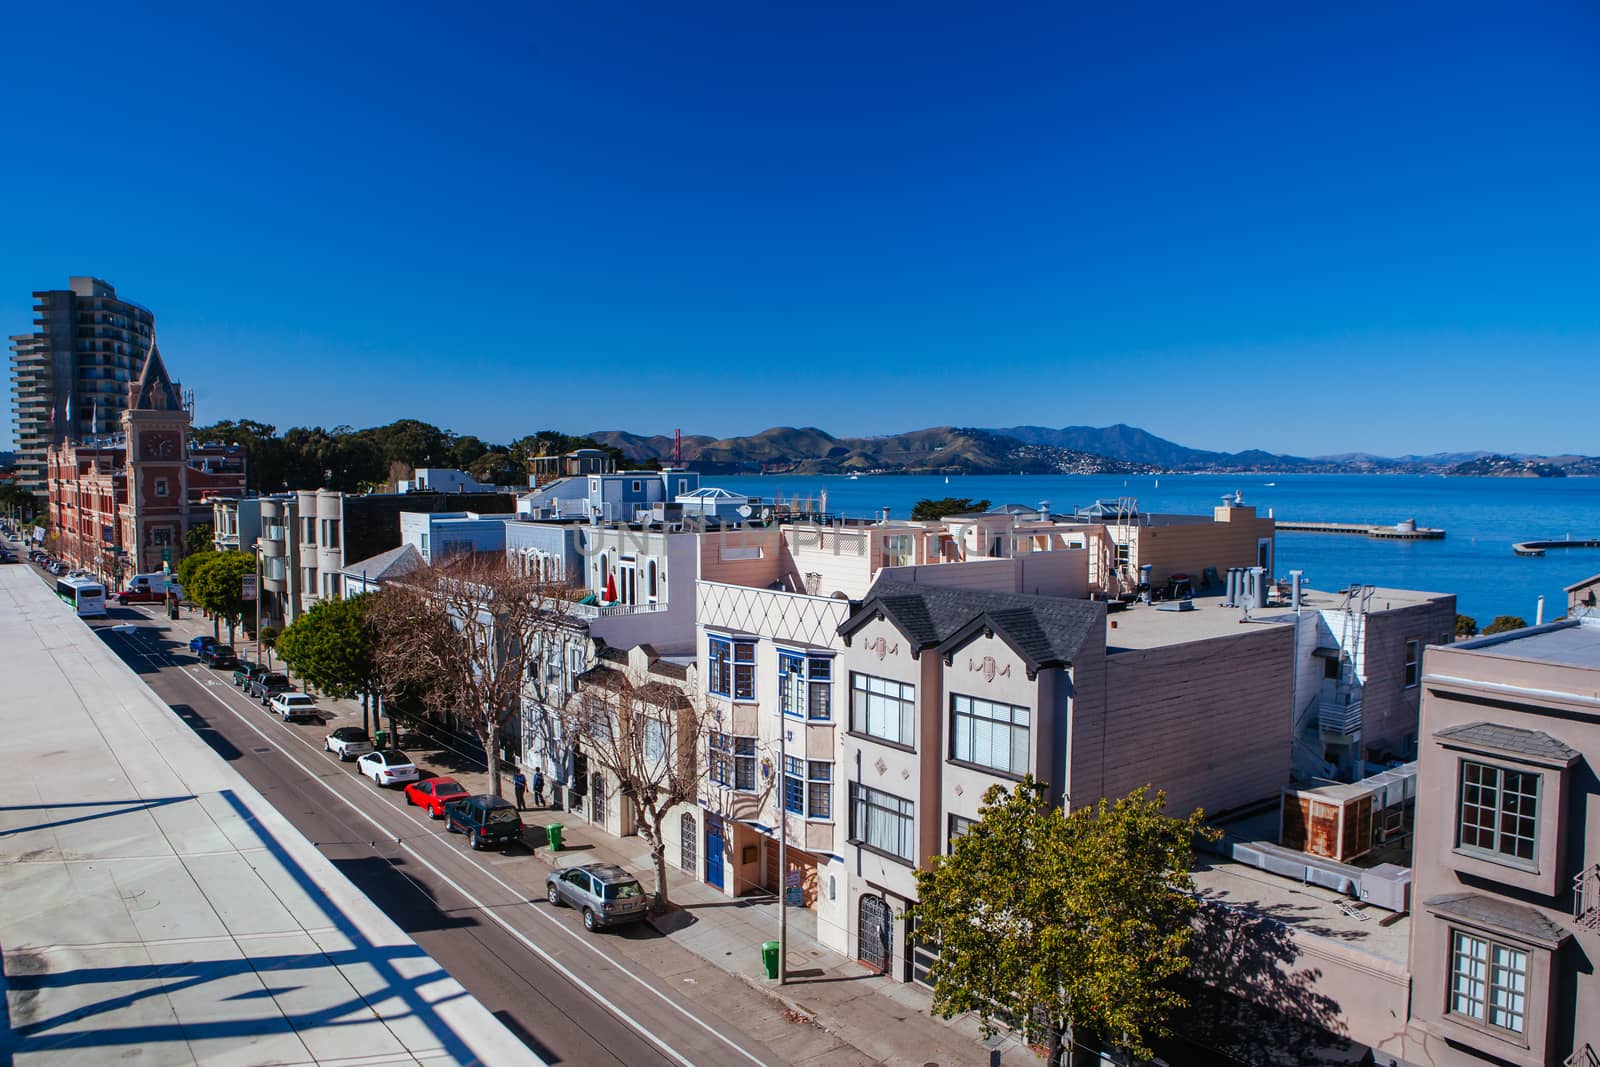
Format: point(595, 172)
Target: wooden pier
point(1538, 548)
point(1400, 531)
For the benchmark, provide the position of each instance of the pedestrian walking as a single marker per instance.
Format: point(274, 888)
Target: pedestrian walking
point(519, 782)
point(538, 787)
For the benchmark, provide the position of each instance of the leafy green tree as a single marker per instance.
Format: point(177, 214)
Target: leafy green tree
point(217, 585)
point(496, 467)
point(332, 646)
point(15, 500)
point(188, 565)
point(265, 457)
point(198, 538)
point(1503, 623)
point(927, 508)
point(1466, 626)
point(1070, 926)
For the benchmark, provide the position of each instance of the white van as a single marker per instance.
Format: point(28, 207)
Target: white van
point(150, 587)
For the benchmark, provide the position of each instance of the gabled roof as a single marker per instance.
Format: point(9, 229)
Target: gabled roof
point(154, 391)
point(395, 563)
point(1043, 631)
point(1575, 586)
point(1510, 739)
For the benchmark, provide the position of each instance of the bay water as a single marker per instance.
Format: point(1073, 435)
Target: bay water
point(1482, 517)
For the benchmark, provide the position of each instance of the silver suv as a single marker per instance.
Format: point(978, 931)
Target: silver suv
point(607, 894)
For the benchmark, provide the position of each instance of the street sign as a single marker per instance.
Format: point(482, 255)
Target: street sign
point(249, 586)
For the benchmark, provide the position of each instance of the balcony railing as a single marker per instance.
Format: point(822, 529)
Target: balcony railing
point(1586, 898)
point(595, 611)
point(1583, 1057)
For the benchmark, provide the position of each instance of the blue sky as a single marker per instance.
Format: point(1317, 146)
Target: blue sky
point(1243, 226)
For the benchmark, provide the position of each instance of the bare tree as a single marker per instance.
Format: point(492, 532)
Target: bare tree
point(463, 633)
point(648, 733)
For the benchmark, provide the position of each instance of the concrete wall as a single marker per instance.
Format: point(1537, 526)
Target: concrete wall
point(1189, 548)
point(1389, 708)
point(1060, 573)
point(1208, 721)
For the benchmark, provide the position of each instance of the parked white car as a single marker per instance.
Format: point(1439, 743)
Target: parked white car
point(347, 742)
point(387, 767)
point(293, 705)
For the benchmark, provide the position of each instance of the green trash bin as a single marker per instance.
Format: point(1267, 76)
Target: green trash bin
point(769, 958)
point(553, 831)
point(380, 740)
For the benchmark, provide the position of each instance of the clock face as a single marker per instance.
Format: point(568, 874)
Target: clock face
point(159, 446)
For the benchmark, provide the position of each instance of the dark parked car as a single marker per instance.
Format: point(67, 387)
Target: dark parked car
point(268, 686)
point(245, 673)
point(485, 819)
point(219, 656)
point(607, 894)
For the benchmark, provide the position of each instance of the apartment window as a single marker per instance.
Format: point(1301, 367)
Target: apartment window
point(310, 535)
point(988, 734)
point(637, 486)
point(883, 709)
point(1124, 554)
point(1499, 811)
point(1488, 981)
point(959, 824)
point(1413, 661)
point(161, 487)
point(424, 544)
point(733, 668)
point(733, 761)
point(808, 787)
point(882, 822)
point(805, 686)
point(899, 550)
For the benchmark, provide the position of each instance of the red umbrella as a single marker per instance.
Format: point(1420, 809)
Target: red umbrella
point(611, 586)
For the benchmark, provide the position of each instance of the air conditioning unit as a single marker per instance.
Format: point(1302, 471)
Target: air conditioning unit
point(1387, 886)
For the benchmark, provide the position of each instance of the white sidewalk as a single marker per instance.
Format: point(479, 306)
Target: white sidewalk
point(155, 909)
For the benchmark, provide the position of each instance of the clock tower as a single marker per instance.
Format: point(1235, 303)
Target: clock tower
point(156, 426)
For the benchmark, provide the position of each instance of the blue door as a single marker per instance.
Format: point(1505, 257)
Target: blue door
point(714, 850)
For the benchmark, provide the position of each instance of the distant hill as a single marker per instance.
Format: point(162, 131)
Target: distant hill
point(808, 450)
point(1118, 449)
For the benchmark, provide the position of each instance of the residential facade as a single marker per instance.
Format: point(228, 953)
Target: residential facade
point(1507, 863)
point(70, 377)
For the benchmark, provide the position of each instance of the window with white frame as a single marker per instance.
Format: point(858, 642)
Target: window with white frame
point(883, 709)
point(733, 668)
point(655, 739)
point(1488, 981)
point(882, 822)
point(1498, 813)
point(988, 734)
point(732, 760)
point(808, 787)
point(805, 685)
point(1413, 662)
point(899, 550)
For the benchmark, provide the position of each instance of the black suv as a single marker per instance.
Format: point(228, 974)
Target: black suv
point(267, 686)
point(220, 657)
point(484, 819)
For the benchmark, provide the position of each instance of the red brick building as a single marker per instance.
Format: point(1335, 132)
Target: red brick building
point(121, 502)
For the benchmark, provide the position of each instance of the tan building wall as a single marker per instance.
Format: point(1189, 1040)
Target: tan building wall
point(1208, 721)
point(1233, 539)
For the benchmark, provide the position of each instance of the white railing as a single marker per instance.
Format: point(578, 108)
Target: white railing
point(595, 611)
point(1339, 717)
point(1586, 897)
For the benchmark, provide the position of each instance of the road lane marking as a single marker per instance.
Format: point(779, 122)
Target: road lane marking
point(488, 910)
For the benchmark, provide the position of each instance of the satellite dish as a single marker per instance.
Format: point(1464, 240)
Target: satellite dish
point(744, 511)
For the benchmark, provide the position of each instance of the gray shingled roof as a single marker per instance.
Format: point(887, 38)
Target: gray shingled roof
point(1045, 631)
point(1512, 739)
point(391, 564)
point(1499, 914)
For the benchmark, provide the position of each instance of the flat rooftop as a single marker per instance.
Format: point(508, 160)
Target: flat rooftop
point(156, 910)
point(1307, 910)
point(1568, 643)
point(1143, 626)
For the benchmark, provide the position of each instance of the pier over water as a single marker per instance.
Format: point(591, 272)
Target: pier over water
point(1407, 530)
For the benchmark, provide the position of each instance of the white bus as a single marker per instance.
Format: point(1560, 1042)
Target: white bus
point(86, 595)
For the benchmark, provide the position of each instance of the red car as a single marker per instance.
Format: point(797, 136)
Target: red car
point(434, 794)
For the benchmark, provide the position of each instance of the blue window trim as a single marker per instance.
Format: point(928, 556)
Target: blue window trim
point(788, 657)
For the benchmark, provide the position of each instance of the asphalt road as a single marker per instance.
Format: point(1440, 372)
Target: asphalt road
point(534, 966)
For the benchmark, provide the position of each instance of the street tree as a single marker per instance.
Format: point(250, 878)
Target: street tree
point(1067, 925)
point(188, 565)
point(463, 634)
point(647, 732)
point(217, 585)
point(333, 646)
point(197, 539)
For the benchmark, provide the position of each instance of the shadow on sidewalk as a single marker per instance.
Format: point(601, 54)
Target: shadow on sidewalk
point(818, 976)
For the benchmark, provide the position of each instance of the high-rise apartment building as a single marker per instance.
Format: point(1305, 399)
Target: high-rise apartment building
point(70, 376)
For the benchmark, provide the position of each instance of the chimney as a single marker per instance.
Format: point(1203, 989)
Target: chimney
point(1295, 578)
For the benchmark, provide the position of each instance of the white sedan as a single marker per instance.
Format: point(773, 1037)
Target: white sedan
point(293, 705)
point(387, 767)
